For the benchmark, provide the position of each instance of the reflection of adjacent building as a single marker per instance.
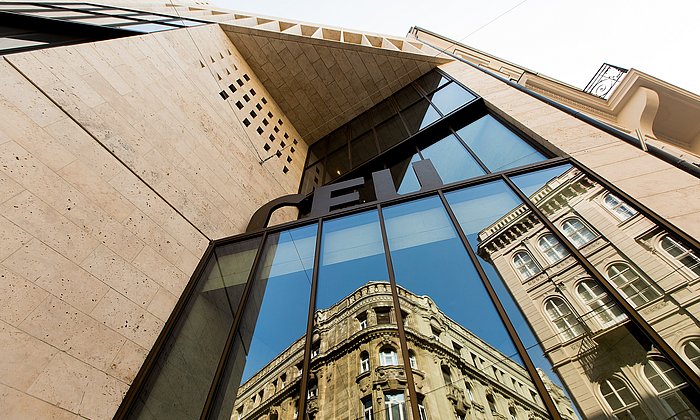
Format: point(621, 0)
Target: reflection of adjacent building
point(357, 370)
point(582, 332)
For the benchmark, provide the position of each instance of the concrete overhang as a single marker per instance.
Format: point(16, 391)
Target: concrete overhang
point(323, 77)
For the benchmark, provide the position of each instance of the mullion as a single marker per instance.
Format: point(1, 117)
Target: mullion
point(215, 388)
point(471, 152)
point(410, 383)
point(503, 315)
point(637, 320)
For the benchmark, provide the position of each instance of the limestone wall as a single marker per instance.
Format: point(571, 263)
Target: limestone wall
point(119, 161)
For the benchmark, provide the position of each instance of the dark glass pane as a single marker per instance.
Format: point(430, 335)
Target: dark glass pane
point(497, 146)
point(178, 387)
point(360, 124)
point(352, 255)
point(363, 148)
point(273, 328)
point(337, 163)
point(313, 177)
point(451, 160)
point(390, 132)
point(431, 81)
point(406, 96)
point(419, 116)
point(382, 111)
point(337, 139)
point(317, 150)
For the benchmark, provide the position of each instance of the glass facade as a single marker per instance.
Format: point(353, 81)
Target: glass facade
point(521, 288)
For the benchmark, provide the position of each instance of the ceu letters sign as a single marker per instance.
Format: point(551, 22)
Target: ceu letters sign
point(330, 197)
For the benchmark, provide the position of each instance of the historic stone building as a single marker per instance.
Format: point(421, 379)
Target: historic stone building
point(651, 268)
point(356, 371)
point(143, 275)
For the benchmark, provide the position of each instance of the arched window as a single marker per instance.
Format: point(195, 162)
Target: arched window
point(691, 349)
point(512, 413)
point(412, 359)
point(525, 265)
point(388, 357)
point(313, 389)
point(620, 398)
point(563, 319)
point(633, 286)
point(492, 404)
point(470, 393)
point(599, 302)
point(446, 374)
point(364, 362)
point(395, 406)
point(578, 233)
point(681, 253)
point(618, 207)
point(552, 248)
point(667, 383)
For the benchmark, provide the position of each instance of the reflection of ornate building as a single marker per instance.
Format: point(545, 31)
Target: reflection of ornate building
point(582, 332)
point(357, 370)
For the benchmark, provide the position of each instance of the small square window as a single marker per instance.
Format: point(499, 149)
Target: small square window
point(265, 121)
point(286, 136)
point(266, 147)
point(260, 130)
point(278, 154)
point(259, 107)
point(282, 144)
point(246, 98)
point(252, 92)
point(246, 122)
point(272, 138)
point(245, 76)
point(232, 87)
point(277, 129)
point(253, 114)
point(269, 114)
point(291, 150)
point(279, 122)
point(240, 82)
point(239, 104)
point(289, 159)
point(285, 169)
point(295, 141)
point(223, 94)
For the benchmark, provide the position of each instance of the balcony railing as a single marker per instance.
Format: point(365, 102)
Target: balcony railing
point(605, 80)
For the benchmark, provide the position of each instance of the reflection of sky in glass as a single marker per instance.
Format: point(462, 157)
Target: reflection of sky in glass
point(451, 160)
point(530, 183)
point(429, 259)
point(477, 208)
point(450, 98)
point(285, 275)
point(352, 254)
point(409, 181)
point(497, 146)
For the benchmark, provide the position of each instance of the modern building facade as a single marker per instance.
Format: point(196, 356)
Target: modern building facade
point(448, 235)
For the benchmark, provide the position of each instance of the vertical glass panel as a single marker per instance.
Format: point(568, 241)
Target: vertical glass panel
point(337, 163)
point(419, 116)
point(178, 386)
point(382, 111)
point(354, 327)
point(363, 148)
point(391, 132)
point(497, 146)
point(450, 97)
point(406, 96)
point(431, 81)
point(262, 374)
point(317, 150)
point(453, 330)
point(313, 177)
point(451, 160)
point(352, 255)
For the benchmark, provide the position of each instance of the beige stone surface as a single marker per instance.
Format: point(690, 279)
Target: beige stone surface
point(119, 162)
point(637, 173)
